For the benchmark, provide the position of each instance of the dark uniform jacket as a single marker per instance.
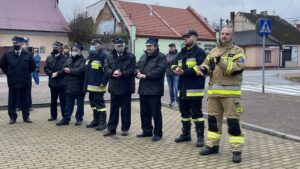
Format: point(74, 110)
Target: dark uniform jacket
point(191, 84)
point(55, 64)
point(154, 67)
point(170, 58)
point(75, 79)
point(126, 63)
point(95, 79)
point(18, 68)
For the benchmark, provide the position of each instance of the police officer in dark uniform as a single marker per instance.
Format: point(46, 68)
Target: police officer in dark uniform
point(120, 68)
point(18, 65)
point(191, 86)
point(74, 78)
point(54, 69)
point(95, 83)
point(151, 69)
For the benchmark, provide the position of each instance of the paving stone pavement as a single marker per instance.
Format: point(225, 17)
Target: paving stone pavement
point(44, 145)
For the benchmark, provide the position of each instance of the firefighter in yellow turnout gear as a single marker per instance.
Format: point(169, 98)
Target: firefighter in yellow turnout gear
point(224, 65)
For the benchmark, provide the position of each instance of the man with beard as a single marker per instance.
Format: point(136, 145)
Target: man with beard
point(18, 65)
point(151, 70)
point(191, 86)
point(224, 65)
point(95, 83)
point(54, 69)
point(120, 67)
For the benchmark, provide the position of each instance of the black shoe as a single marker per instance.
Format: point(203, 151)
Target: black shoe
point(109, 133)
point(28, 121)
point(183, 138)
point(200, 142)
point(93, 124)
point(78, 123)
point(143, 134)
point(101, 127)
point(52, 119)
point(156, 138)
point(62, 122)
point(236, 157)
point(124, 133)
point(209, 150)
point(12, 121)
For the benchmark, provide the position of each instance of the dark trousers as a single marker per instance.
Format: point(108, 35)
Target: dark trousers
point(190, 108)
point(150, 106)
point(18, 97)
point(57, 92)
point(97, 101)
point(117, 102)
point(70, 101)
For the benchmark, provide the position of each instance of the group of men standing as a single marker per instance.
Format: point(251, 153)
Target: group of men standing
point(71, 77)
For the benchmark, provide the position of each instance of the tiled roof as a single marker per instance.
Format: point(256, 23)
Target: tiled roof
point(32, 15)
point(282, 31)
point(160, 21)
point(246, 38)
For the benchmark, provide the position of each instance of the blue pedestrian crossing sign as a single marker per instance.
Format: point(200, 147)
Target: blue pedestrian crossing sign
point(264, 27)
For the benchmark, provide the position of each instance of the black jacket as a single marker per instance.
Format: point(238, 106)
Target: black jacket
point(55, 64)
point(125, 84)
point(170, 57)
point(154, 67)
point(75, 79)
point(191, 83)
point(18, 68)
point(94, 72)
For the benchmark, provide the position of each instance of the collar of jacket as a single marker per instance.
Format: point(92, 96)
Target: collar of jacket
point(154, 54)
point(226, 45)
point(186, 50)
point(173, 52)
point(122, 57)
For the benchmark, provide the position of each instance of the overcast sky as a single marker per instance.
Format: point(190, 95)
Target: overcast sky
point(212, 9)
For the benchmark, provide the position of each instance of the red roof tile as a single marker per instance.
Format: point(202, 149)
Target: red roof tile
point(165, 21)
point(33, 15)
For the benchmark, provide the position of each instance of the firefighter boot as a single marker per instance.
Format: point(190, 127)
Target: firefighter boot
point(209, 150)
point(95, 121)
point(102, 122)
point(236, 157)
point(186, 132)
point(200, 134)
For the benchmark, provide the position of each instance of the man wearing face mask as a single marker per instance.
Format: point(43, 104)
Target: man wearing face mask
point(120, 68)
point(95, 83)
point(37, 61)
point(151, 70)
point(74, 77)
point(54, 69)
point(190, 87)
point(18, 65)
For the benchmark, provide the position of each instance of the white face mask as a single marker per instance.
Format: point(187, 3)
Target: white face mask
point(74, 53)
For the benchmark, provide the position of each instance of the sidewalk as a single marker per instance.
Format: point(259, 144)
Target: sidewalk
point(44, 145)
point(272, 111)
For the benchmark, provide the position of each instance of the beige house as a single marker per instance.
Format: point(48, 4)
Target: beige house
point(282, 45)
point(40, 21)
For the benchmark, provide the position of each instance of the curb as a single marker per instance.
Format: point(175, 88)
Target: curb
point(253, 127)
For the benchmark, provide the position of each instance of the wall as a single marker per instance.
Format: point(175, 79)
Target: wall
point(242, 24)
point(36, 39)
point(163, 45)
point(255, 53)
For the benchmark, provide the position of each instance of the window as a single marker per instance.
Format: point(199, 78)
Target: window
point(267, 56)
point(209, 47)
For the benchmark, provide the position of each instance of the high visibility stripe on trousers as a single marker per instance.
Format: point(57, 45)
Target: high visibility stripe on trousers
point(224, 90)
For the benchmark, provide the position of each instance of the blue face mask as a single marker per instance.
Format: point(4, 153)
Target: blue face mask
point(92, 48)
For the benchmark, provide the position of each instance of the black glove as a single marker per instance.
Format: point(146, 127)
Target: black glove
point(212, 64)
point(218, 59)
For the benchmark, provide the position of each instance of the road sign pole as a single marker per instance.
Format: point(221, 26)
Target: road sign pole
point(263, 65)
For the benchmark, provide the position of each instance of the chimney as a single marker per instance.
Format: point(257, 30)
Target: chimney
point(253, 11)
point(232, 17)
point(265, 13)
